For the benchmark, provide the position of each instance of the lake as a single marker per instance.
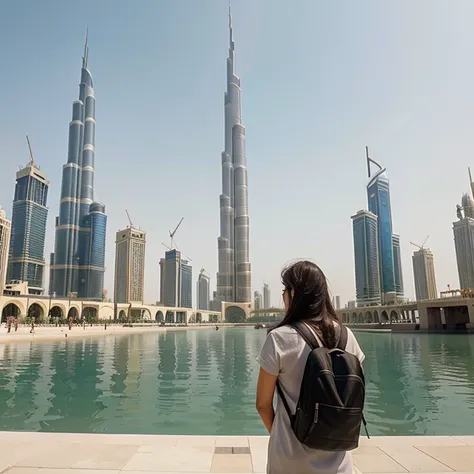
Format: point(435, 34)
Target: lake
point(203, 382)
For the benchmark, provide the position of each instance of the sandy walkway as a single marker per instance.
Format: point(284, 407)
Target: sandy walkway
point(47, 333)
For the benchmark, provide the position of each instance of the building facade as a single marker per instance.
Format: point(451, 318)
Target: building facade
point(464, 244)
point(257, 300)
point(5, 231)
point(78, 263)
point(175, 280)
point(234, 272)
point(130, 246)
point(397, 265)
point(366, 258)
point(266, 296)
point(203, 291)
point(424, 275)
point(29, 216)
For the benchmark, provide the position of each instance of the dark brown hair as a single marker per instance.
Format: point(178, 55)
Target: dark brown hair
point(309, 300)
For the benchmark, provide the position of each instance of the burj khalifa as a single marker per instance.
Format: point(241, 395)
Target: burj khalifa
point(78, 261)
point(234, 275)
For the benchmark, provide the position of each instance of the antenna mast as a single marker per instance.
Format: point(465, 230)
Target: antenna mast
point(32, 160)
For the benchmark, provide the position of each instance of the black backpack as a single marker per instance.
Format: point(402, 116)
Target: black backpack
point(329, 411)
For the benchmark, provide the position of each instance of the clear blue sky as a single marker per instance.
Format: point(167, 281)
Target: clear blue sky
point(320, 81)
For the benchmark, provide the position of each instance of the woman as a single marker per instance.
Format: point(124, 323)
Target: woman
point(283, 358)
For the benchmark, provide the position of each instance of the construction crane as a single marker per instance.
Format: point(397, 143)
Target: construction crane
point(422, 246)
point(169, 248)
point(172, 234)
point(129, 218)
point(32, 160)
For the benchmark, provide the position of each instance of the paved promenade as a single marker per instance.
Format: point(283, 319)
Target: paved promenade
point(44, 453)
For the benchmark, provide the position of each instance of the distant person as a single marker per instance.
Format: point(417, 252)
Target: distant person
point(32, 330)
point(283, 361)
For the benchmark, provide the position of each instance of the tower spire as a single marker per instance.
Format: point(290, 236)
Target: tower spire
point(86, 49)
point(230, 27)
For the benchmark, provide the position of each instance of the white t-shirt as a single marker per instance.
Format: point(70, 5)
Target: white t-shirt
point(284, 354)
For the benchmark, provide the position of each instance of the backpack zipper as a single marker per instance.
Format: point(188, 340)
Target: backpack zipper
point(316, 412)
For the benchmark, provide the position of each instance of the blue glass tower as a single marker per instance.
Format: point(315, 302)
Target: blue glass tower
point(26, 260)
point(366, 258)
point(378, 194)
point(79, 252)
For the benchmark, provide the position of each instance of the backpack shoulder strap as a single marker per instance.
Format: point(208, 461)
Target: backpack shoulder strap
point(342, 338)
point(307, 334)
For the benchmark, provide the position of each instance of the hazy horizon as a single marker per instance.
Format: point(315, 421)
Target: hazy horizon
point(320, 81)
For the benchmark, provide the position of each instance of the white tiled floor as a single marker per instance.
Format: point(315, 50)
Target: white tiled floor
point(52, 453)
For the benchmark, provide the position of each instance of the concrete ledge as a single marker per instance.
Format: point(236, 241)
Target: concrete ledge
point(56, 453)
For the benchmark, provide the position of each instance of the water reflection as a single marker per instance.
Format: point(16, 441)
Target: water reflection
point(203, 382)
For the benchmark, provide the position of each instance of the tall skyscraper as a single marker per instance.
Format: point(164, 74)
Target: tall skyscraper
point(257, 300)
point(5, 230)
point(234, 274)
point(130, 247)
point(464, 244)
point(176, 277)
point(203, 290)
point(29, 216)
point(378, 195)
point(366, 258)
point(397, 265)
point(79, 253)
point(266, 296)
point(464, 239)
point(424, 274)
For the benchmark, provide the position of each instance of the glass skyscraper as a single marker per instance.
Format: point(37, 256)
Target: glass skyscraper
point(29, 216)
point(234, 274)
point(366, 258)
point(378, 196)
point(78, 263)
point(176, 280)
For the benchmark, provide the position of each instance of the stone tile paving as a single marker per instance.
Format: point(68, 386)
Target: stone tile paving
point(54, 453)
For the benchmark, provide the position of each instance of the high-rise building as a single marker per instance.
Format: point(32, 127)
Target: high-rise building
point(266, 296)
point(424, 274)
point(130, 245)
point(29, 216)
point(366, 258)
point(203, 290)
point(175, 280)
point(234, 273)
point(337, 302)
point(464, 244)
point(257, 300)
point(79, 252)
point(5, 230)
point(378, 195)
point(397, 265)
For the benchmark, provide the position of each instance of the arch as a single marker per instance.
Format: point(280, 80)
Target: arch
point(146, 314)
point(90, 314)
point(122, 316)
point(354, 318)
point(384, 317)
point(73, 313)
point(169, 318)
point(56, 312)
point(360, 318)
point(368, 317)
point(159, 316)
point(234, 314)
point(10, 309)
point(198, 318)
point(37, 311)
point(376, 317)
point(394, 316)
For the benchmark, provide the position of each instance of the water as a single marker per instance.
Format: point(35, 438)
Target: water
point(203, 382)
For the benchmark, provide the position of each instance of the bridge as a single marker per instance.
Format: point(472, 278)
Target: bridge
point(44, 307)
point(445, 313)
